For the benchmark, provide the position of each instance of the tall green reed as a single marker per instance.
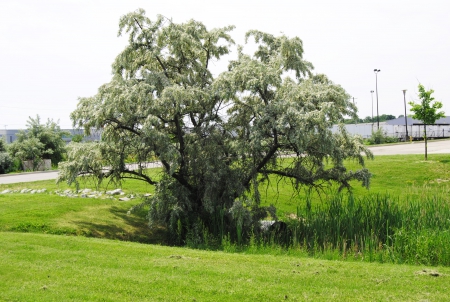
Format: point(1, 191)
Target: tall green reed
point(379, 227)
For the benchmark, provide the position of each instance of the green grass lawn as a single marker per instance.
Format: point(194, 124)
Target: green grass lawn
point(42, 267)
point(395, 175)
point(40, 262)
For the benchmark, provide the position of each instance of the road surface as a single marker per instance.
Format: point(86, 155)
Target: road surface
point(434, 146)
point(417, 147)
point(46, 175)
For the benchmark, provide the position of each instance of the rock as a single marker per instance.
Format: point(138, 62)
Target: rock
point(33, 191)
point(124, 199)
point(147, 195)
point(266, 224)
point(92, 196)
point(6, 191)
point(85, 191)
point(115, 192)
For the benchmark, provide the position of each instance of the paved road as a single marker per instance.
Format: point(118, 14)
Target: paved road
point(434, 146)
point(35, 176)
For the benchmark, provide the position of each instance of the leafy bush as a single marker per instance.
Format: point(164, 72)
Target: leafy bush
point(77, 138)
point(39, 141)
point(380, 137)
point(6, 162)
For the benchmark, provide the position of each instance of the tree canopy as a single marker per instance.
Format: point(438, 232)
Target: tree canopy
point(218, 137)
point(5, 159)
point(39, 141)
point(426, 111)
point(368, 119)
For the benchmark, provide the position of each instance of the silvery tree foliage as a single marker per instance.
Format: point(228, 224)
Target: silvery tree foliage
point(217, 137)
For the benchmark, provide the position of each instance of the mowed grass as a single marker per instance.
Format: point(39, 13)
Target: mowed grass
point(94, 217)
point(43, 267)
point(399, 176)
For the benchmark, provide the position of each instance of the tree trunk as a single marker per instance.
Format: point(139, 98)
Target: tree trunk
point(426, 141)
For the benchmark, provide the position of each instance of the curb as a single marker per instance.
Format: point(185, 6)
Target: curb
point(27, 173)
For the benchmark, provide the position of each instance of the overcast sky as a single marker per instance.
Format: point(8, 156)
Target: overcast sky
point(53, 52)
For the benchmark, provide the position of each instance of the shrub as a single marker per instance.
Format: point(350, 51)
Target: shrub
point(380, 137)
point(6, 163)
point(39, 141)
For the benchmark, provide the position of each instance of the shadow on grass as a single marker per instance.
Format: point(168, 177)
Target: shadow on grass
point(134, 228)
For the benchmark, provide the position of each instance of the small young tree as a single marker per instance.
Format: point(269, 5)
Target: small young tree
point(426, 112)
point(39, 141)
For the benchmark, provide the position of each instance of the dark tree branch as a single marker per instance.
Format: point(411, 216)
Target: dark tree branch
point(139, 175)
point(308, 181)
point(119, 125)
point(263, 162)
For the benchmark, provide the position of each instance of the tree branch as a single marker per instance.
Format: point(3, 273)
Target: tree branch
point(140, 175)
point(263, 162)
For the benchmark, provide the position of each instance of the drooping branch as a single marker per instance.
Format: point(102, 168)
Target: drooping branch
point(307, 181)
point(139, 175)
point(119, 125)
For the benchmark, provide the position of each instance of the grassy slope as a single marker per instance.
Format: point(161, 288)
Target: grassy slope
point(396, 175)
point(40, 267)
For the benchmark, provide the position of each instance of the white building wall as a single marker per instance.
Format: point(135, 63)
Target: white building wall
point(416, 131)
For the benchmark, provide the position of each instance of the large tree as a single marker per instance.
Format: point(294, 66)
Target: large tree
point(426, 111)
point(218, 137)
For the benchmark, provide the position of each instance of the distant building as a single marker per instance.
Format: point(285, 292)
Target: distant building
point(8, 135)
point(397, 128)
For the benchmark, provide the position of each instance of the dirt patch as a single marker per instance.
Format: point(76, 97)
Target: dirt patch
point(428, 272)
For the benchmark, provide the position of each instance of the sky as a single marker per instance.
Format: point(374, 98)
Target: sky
point(54, 51)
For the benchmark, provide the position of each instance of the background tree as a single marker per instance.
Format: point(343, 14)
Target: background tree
point(39, 141)
point(368, 119)
point(218, 138)
point(426, 112)
point(6, 161)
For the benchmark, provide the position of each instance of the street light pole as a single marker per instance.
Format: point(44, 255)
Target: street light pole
point(406, 119)
point(371, 93)
point(356, 121)
point(376, 89)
